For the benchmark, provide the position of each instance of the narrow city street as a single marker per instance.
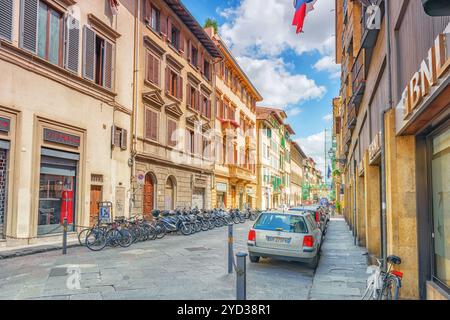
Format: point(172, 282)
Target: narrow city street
point(179, 267)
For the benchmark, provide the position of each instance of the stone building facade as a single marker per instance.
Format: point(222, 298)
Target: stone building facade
point(65, 107)
point(172, 135)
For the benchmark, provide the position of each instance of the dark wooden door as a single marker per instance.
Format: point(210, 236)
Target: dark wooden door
point(96, 197)
point(149, 196)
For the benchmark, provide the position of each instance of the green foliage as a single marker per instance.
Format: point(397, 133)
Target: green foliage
point(211, 23)
point(336, 173)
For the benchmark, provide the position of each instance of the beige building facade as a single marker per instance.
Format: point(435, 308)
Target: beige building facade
point(273, 160)
point(172, 133)
point(235, 134)
point(298, 158)
point(65, 107)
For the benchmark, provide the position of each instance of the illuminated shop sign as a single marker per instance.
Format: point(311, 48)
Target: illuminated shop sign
point(4, 124)
point(61, 138)
point(432, 69)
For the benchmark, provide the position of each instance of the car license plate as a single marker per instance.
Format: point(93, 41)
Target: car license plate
point(278, 239)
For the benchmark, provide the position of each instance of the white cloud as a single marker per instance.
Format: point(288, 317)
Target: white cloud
point(277, 84)
point(328, 64)
point(258, 27)
point(294, 111)
point(314, 147)
point(328, 117)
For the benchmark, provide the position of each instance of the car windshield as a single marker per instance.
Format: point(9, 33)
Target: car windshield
point(281, 222)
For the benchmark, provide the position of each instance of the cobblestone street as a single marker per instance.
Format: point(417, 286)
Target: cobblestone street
point(179, 267)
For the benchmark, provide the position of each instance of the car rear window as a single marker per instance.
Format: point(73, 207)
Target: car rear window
point(281, 222)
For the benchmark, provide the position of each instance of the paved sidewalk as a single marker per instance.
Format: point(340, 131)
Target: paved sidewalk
point(341, 274)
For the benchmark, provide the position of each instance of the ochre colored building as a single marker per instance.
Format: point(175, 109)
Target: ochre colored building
point(396, 77)
point(234, 124)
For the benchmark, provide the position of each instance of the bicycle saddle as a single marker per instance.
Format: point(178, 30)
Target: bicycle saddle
point(394, 260)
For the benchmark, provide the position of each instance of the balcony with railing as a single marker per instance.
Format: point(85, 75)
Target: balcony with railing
point(351, 117)
point(240, 173)
point(358, 80)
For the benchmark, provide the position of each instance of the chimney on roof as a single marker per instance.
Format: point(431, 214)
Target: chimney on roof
point(210, 32)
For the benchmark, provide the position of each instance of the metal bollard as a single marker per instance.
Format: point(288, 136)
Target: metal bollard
point(65, 237)
point(241, 276)
point(230, 248)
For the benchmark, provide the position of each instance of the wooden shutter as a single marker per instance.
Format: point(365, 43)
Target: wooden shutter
point(156, 71)
point(189, 51)
point(89, 53)
point(208, 109)
point(169, 30)
point(163, 19)
point(148, 13)
point(154, 125)
point(108, 66)
point(181, 41)
point(151, 124)
point(113, 134)
point(6, 19)
point(167, 80)
point(171, 128)
point(150, 67)
point(72, 47)
point(123, 139)
point(180, 87)
point(188, 95)
point(29, 25)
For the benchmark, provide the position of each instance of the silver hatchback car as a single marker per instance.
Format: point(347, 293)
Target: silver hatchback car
point(286, 235)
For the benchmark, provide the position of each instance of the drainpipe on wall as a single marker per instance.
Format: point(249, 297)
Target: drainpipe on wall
point(383, 136)
point(355, 226)
point(135, 103)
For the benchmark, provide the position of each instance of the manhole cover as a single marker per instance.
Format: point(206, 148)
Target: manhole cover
point(58, 272)
point(197, 249)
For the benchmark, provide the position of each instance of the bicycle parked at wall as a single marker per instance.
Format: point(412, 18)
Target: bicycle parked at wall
point(383, 285)
point(123, 232)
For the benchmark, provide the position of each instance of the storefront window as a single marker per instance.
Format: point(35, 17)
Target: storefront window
point(441, 206)
point(57, 194)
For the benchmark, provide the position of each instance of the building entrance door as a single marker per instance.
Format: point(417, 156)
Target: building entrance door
point(96, 197)
point(149, 196)
point(198, 198)
point(3, 189)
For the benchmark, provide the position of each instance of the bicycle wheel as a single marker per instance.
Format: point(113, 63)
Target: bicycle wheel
point(368, 294)
point(95, 239)
point(82, 236)
point(112, 237)
point(253, 217)
point(125, 238)
point(390, 289)
point(160, 231)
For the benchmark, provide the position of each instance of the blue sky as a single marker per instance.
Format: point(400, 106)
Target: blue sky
point(293, 72)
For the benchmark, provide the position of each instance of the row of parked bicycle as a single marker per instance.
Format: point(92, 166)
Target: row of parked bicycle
point(123, 232)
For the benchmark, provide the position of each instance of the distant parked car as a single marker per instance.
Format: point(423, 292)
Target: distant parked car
point(289, 235)
point(321, 216)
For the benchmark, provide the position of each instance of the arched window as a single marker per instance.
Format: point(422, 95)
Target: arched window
point(170, 193)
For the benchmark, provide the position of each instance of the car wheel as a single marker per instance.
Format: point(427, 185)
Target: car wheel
point(254, 259)
point(314, 262)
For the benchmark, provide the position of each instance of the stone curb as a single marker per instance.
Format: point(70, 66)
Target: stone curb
point(30, 251)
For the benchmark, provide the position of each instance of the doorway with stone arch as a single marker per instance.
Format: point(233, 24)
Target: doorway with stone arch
point(149, 195)
point(170, 193)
